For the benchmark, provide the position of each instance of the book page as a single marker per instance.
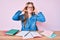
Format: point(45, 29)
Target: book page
point(22, 33)
point(35, 34)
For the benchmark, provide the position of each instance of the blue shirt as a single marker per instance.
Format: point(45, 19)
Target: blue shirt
point(31, 22)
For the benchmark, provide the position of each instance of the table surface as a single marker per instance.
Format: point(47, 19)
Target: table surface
point(6, 37)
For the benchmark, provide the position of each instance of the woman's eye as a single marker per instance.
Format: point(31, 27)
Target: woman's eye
point(30, 7)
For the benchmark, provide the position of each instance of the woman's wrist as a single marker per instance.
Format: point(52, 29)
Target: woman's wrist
point(22, 13)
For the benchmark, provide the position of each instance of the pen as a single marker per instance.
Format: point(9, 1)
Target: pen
point(27, 33)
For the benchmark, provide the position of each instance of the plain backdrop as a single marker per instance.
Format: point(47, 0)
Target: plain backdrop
point(50, 9)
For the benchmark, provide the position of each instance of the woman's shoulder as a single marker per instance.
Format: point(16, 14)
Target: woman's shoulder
point(39, 14)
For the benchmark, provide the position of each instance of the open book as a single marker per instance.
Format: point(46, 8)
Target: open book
point(28, 34)
point(48, 33)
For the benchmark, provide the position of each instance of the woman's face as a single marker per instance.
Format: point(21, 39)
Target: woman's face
point(30, 8)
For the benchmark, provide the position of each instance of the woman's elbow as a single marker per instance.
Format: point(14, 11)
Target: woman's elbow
point(43, 20)
point(16, 19)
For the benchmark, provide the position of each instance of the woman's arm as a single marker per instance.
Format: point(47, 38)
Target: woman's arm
point(40, 17)
point(18, 15)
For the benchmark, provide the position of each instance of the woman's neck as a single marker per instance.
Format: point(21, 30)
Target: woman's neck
point(29, 15)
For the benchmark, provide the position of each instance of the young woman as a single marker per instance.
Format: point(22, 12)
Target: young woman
point(28, 17)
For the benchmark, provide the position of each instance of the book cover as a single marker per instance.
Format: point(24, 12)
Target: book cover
point(12, 32)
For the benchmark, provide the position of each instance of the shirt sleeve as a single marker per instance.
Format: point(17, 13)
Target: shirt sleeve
point(17, 16)
point(40, 17)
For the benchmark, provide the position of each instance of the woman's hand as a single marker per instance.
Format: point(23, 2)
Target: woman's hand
point(36, 12)
point(22, 12)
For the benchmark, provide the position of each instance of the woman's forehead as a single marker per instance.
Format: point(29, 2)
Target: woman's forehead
point(30, 5)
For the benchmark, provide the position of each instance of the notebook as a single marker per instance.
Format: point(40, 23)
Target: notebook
point(12, 32)
point(49, 34)
point(28, 34)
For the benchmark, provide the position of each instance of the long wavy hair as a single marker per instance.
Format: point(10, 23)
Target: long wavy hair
point(26, 12)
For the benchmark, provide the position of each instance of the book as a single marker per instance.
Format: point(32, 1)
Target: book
point(29, 34)
point(12, 32)
point(33, 34)
point(53, 36)
point(49, 34)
